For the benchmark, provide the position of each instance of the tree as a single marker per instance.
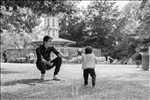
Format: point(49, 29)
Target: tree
point(22, 16)
point(72, 29)
point(26, 12)
point(21, 20)
point(131, 12)
point(72, 26)
point(94, 26)
point(101, 18)
point(143, 29)
point(136, 23)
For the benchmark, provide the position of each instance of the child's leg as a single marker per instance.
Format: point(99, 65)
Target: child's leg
point(138, 64)
point(93, 75)
point(85, 75)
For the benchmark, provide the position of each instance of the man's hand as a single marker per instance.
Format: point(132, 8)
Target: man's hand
point(67, 57)
point(46, 62)
point(74, 55)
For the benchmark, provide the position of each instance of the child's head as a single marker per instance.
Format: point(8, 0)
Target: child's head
point(88, 50)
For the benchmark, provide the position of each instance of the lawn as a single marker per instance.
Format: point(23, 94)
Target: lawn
point(114, 82)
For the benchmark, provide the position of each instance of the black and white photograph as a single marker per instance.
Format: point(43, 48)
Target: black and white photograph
point(75, 50)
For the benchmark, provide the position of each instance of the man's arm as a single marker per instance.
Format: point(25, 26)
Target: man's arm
point(67, 57)
point(75, 59)
point(59, 54)
point(63, 56)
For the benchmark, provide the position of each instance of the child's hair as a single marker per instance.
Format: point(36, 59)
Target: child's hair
point(88, 50)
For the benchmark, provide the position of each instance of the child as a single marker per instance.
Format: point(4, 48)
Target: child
point(137, 58)
point(110, 59)
point(88, 65)
point(5, 56)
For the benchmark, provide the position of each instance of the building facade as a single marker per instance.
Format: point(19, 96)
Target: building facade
point(51, 23)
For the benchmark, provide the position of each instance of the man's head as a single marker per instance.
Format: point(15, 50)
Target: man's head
point(47, 40)
point(88, 50)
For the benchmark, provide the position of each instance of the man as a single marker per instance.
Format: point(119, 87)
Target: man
point(5, 56)
point(44, 62)
point(137, 57)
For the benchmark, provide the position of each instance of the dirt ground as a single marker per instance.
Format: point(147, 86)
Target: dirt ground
point(114, 82)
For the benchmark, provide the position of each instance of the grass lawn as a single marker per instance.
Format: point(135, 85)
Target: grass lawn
point(114, 82)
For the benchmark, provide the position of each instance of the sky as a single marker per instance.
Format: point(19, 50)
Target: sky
point(85, 3)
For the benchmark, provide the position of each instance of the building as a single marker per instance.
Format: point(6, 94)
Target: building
point(52, 25)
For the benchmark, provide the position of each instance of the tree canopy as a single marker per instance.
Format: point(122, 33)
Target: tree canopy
point(101, 25)
point(24, 14)
point(20, 17)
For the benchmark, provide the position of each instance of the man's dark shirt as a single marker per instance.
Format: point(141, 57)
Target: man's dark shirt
point(131, 49)
point(42, 52)
point(4, 55)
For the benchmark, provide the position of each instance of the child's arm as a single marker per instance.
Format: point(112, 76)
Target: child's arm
point(100, 59)
point(78, 54)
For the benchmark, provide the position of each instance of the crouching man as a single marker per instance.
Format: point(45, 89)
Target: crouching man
point(44, 61)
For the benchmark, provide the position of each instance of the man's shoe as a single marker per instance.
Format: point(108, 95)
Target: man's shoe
point(41, 79)
point(42, 76)
point(56, 78)
point(85, 86)
point(93, 86)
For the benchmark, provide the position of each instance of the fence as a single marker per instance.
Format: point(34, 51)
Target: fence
point(29, 55)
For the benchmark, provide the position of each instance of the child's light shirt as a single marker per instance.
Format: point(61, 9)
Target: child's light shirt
point(88, 61)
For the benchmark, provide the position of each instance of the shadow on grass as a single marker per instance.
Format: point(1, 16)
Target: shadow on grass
point(23, 81)
point(5, 71)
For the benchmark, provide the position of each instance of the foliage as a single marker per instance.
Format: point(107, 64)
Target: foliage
point(93, 27)
point(21, 20)
point(100, 26)
point(144, 30)
point(126, 26)
point(20, 17)
point(13, 40)
point(23, 14)
point(137, 23)
point(72, 28)
point(38, 6)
